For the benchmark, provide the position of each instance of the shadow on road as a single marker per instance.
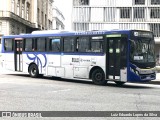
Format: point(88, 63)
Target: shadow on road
point(155, 82)
point(89, 82)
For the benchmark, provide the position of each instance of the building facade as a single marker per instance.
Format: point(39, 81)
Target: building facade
point(24, 16)
point(118, 14)
point(58, 19)
point(44, 14)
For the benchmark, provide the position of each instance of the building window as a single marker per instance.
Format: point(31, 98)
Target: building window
point(57, 26)
point(13, 29)
point(28, 10)
point(23, 31)
point(49, 24)
point(109, 14)
point(0, 26)
point(42, 18)
point(155, 13)
point(83, 14)
point(81, 2)
point(139, 2)
point(38, 16)
point(18, 30)
point(155, 28)
point(139, 13)
point(125, 12)
point(13, 2)
point(23, 7)
point(45, 21)
point(18, 7)
point(81, 26)
point(155, 2)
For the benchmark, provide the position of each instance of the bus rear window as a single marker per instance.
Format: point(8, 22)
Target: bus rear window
point(8, 45)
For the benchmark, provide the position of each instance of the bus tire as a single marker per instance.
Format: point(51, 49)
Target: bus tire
point(33, 71)
point(98, 77)
point(119, 83)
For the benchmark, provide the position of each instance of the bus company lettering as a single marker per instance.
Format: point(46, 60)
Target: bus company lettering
point(89, 33)
point(80, 60)
point(75, 59)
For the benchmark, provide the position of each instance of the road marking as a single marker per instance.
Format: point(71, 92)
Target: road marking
point(65, 90)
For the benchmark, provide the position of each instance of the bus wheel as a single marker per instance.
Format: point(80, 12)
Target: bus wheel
point(119, 83)
point(98, 77)
point(33, 71)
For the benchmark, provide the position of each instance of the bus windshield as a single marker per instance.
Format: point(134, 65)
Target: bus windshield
point(142, 50)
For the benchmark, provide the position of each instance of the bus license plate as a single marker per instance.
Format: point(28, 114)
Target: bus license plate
point(148, 77)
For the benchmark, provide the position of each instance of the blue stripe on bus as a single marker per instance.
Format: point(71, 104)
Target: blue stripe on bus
point(67, 53)
point(64, 53)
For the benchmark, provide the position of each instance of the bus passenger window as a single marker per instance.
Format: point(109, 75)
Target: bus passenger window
point(29, 45)
point(55, 45)
point(41, 44)
point(68, 44)
point(8, 46)
point(97, 44)
point(83, 44)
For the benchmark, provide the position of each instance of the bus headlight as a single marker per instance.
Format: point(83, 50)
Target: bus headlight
point(137, 72)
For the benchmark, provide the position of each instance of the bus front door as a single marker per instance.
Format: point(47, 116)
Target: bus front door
point(116, 57)
point(18, 55)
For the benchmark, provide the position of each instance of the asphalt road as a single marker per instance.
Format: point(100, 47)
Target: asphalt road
point(19, 92)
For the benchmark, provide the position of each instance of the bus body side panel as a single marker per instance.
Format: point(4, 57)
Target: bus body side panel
point(68, 63)
point(53, 67)
point(123, 75)
point(87, 62)
point(40, 59)
point(26, 63)
point(79, 66)
point(9, 61)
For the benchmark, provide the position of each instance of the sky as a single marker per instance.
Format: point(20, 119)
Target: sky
point(65, 6)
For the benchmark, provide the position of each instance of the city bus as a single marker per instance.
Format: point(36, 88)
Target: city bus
point(100, 55)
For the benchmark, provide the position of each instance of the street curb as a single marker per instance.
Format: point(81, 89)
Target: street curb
point(154, 82)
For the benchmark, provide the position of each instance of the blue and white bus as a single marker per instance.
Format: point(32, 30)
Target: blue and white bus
point(119, 55)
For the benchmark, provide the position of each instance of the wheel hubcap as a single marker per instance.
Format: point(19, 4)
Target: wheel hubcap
point(33, 71)
point(99, 76)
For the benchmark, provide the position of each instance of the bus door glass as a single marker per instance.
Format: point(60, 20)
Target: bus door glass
point(116, 59)
point(18, 43)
